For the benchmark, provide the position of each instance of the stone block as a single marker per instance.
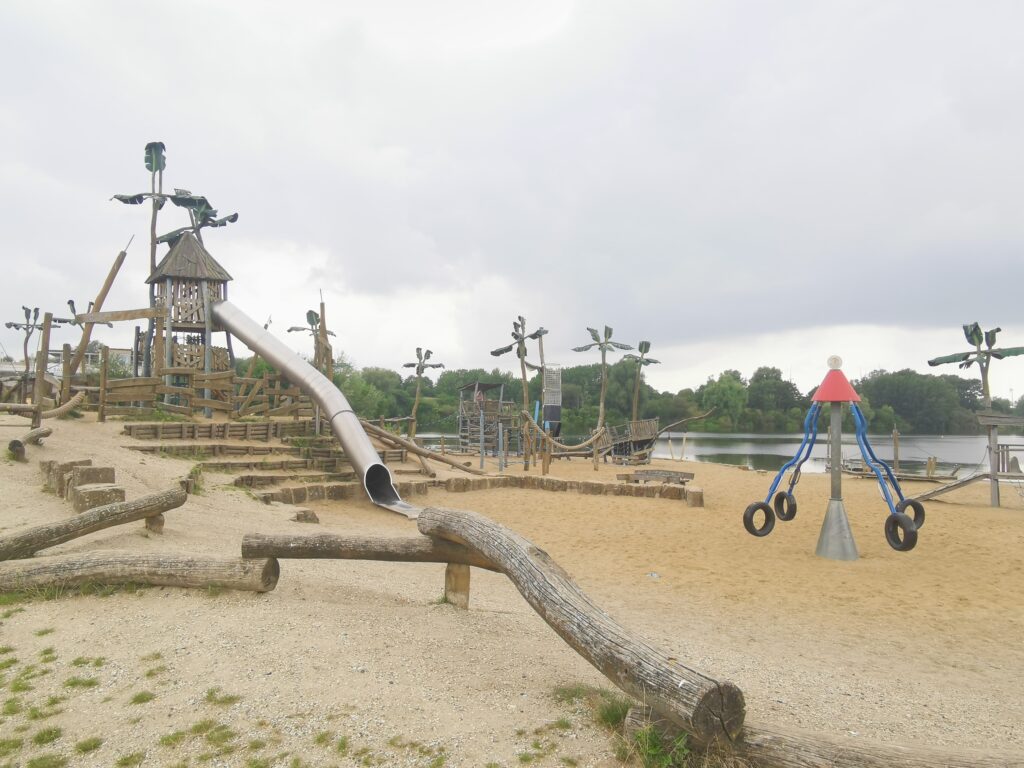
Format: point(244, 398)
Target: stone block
point(86, 497)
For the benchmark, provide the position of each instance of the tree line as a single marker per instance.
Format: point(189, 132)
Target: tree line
point(912, 402)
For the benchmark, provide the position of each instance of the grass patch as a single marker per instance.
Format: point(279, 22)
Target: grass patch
point(10, 746)
point(44, 632)
point(142, 697)
point(154, 656)
point(158, 670)
point(81, 682)
point(39, 713)
point(47, 736)
point(173, 739)
point(5, 649)
point(127, 761)
point(612, 710)
point(202, 727)
point(8, 663)
point(214, 696)
point(85, 746)
point(47, 761)
point(653, 751)
point(12, 706)
point(88, 661)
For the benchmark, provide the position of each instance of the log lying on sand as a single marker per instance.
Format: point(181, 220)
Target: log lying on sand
point(708, 709)
point(164, 570)
point(30, 541)
point(17, 446)
point(762, 746)
point(411, 447)
point(408, 549)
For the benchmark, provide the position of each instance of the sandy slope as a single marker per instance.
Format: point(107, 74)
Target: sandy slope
point(920, 646)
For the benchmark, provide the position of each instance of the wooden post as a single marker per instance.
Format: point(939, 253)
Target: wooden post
point(207, 349)
point(896, 451)
point(65, 374)
point(96, 307)
point(993, 464)
point(442, 445)
point(157, 357)
point(101, 414)
point(41, 359)
point(456, 585)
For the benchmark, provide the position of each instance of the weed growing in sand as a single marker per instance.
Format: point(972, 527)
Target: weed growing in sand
point(8, 663)
point(570, 694)
point(47, 736)
point(42, 713)
point(10, 746)
point(571, 762)
point(214, 696)
point(256, 744)
point(154, 656)
point(88, 661)
point(81, 682)
point(12, 706)
point(5, 649)
point(653, 751)
point(48, 655)
point(173, 739)
point(128, 761)
point(142, 697)
point(203, 726)
point(159, 670)
point(612, 710)
point(47, 761)
point(85, 746)
point(44, 632)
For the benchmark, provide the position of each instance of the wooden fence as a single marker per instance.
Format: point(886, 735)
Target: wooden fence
point(188, 391)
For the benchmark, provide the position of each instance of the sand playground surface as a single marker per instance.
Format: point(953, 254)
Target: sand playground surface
point(357, 663)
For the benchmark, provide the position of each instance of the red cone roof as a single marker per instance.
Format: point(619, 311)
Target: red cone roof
point(835, 388)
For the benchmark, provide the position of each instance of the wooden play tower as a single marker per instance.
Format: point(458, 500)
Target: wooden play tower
point(187, 282)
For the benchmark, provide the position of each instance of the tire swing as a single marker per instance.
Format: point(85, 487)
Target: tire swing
point(750, 523)
point(782, 505)
point(900, 532)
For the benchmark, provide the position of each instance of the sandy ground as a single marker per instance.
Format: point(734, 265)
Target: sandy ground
point(911, 647)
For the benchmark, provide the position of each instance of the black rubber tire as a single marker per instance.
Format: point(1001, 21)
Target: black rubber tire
point(900, 524)
point(918, 511)
point(751, 526)
point(784, 505)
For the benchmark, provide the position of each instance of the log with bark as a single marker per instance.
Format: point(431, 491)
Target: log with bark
point(709, 709)
point(407, 549)
point(33, 437)
point(762, 746)
point(157, 569)
point(411, 447)
point(30, 541)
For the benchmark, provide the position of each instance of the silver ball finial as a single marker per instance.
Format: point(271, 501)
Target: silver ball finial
point(835, 362)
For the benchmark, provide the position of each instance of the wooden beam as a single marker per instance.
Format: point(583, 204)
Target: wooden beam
point(97, 306)
point(709, 709)
point(117, 315)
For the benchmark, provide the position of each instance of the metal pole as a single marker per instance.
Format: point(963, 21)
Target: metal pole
point(501, 442)
point(835, 541)
point(896, 451)
point(993, 464)
point(836, 437)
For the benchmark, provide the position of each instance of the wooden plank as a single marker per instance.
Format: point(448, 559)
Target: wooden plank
point(140, 381)
point(120, 314)
point(130, 395)
point(217, 405)
point(123, 410)
point(175, 409)
point(176, 371)
point(186, 392)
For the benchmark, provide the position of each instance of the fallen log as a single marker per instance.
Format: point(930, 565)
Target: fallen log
point(33, 437)
point(408, 549)
point(762, 746)
point(411, 447)
point(164, 570)
point(709, 709)
point(30, 541)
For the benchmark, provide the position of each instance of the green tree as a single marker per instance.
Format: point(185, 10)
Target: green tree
point(728, 396)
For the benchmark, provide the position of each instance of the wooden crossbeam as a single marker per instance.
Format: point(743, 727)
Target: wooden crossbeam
point(120, 314)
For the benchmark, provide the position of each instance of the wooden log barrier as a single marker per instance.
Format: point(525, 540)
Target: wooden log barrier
point(407, 549)
point(709, 709)
point(763, 746)
point(31, 540)
point(33, 437)
point(157, 569)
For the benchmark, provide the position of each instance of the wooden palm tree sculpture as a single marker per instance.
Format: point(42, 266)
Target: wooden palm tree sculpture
point(983, 357)
point(321, 348)
point(604, 344)
point(420, 365)
point(520, 336)
point(641, 362)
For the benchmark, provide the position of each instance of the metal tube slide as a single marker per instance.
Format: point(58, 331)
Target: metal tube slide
point(344, 422)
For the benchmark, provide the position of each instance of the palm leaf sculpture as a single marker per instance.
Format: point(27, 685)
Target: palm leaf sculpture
point(983, 357)
point(421, 365)
point(321, 353)
point(520, 336)
point(604, 344)
point(641, 362)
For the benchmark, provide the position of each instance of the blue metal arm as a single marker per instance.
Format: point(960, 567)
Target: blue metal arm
point(810, 435)
point(871, 460)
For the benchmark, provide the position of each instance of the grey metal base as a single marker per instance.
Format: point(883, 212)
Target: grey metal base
point(836, 539)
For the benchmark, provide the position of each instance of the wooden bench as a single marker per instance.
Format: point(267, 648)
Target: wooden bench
point(659, 475)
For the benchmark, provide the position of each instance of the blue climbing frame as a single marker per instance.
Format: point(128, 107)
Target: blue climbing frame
point(803, 453)
point(883, 472)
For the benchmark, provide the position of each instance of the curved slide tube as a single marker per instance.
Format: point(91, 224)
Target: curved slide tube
point(344, 423)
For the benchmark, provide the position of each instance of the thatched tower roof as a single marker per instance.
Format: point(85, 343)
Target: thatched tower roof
point(190, 260)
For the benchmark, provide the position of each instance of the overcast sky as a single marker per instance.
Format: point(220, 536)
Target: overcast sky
point(741, 183)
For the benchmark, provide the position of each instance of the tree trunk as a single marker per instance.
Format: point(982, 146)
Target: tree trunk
point(707, 708)
point(408, 549)
point(763, 746)
point(636, 390)
point(17, 446)
point(604, 389)
point(385, 436)
point(526, 407)
point(415, 408)
point(164, 569)
point(32, 540)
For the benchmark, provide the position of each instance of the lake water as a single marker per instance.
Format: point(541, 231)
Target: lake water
point(770, 452)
